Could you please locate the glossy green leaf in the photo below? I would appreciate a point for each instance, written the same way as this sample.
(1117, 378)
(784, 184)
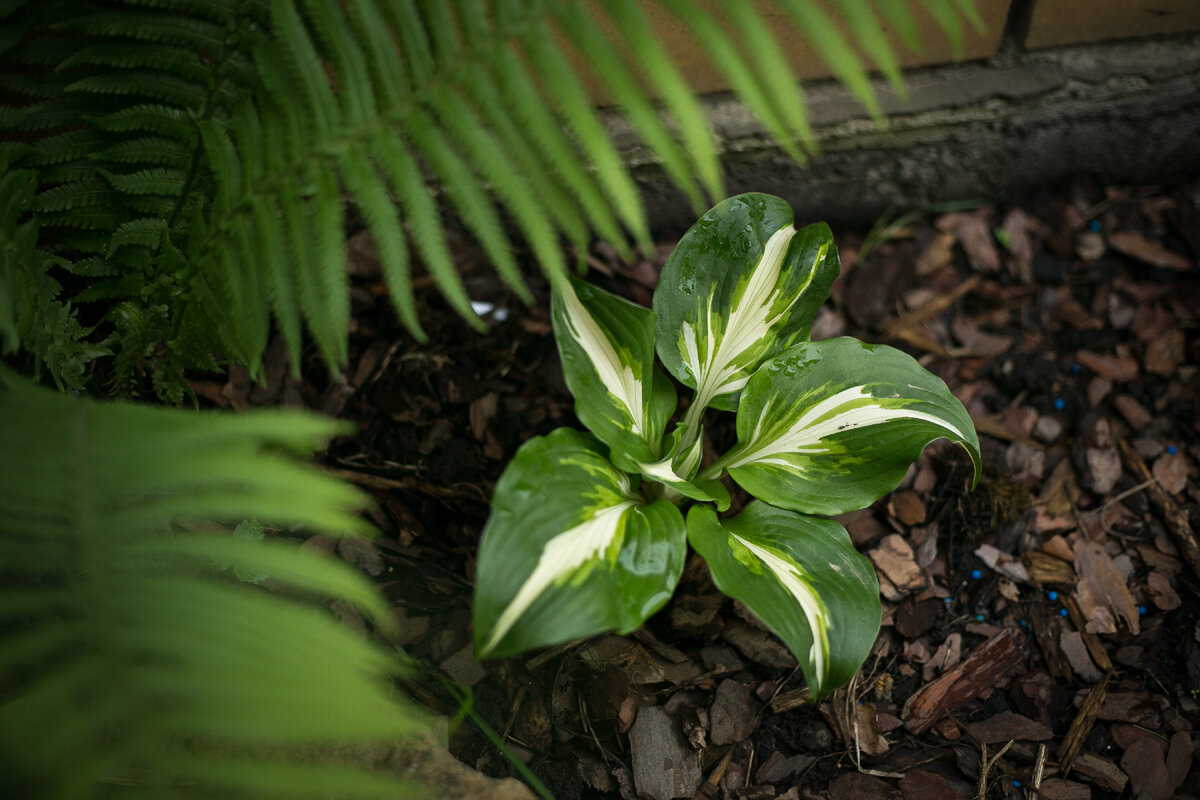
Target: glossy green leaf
(570, 549)
(742, 285)
(607, 349)
(801, 576)
(829, 427)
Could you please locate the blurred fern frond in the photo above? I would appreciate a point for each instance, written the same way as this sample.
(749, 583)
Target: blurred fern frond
(132, 660)
(206, 148)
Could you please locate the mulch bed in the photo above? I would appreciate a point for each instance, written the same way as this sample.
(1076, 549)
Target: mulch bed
(1040, 634)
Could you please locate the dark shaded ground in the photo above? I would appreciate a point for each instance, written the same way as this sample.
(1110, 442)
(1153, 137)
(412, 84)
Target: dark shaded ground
(1055, 607)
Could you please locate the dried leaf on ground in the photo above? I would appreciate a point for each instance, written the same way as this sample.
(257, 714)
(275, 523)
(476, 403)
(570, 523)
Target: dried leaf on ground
(1101, 591)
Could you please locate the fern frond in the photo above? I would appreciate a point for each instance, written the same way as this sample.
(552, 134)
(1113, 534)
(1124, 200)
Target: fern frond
(150, 118)
(163, 27)
(148, 181)
(133, 651)
(157, 150)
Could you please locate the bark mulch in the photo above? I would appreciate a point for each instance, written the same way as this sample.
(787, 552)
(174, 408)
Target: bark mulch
(1041, 635)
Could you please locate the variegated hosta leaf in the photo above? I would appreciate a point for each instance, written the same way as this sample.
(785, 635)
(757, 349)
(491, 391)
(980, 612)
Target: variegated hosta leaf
(570, 549)
(678, 471)
(802, 577)
(607, 349)
(742, 285)
(831, 426)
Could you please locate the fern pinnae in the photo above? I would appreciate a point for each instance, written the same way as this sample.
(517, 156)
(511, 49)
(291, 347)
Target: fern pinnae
(474, 206)
(607, 63)
(567, 94)
(872, 41)
(372, 198)
(329, 226)
(693, 125)
(174, 123)
(833, 49)
(536, 170)
(405, 21)
(383, 61)
(944, 14)
(519, 94)
(488, 159)
(302, 64)
(158, 150)
(782, 89)
(537, 165)
(78, 194)
(141, 55)
(967, 9)
(152, 26)
(742, 78)
(354, 79)
(900, 18)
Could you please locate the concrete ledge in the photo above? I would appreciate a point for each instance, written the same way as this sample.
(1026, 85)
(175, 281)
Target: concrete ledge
(1123, 112)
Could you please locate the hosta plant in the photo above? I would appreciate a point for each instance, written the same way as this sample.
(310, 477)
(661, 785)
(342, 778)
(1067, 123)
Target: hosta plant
(589, 530)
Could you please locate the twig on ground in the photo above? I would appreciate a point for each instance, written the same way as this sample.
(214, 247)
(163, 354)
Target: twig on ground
(985, 767)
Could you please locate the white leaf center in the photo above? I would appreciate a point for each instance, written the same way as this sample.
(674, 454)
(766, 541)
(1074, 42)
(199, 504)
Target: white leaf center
(562, 555)
(835, 414)
(814, 611)
(616, 375)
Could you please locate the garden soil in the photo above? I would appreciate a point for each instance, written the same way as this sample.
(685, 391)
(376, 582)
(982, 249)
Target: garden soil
(1041, 634)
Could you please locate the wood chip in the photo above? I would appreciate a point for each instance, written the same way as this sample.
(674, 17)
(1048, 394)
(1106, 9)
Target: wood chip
(1161, 593)
(1112, 368)
(1044, 568)
(1063, 789)
(981, 672)
(907, 507)
(664, 766)
(1152, 776)
(1171, 469)
(894, 557)
(1100, 771)
(1134, 412)
(1137, 246)
(1081, 726)
(1076, 652)
(1007, 725)
(1165, 353)
(1101, 593)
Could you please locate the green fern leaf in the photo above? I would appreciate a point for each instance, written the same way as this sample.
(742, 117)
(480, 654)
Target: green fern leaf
(156, 150)
(191, 683)
(151, 118)
(871, 39)
(157, 180)
(80, 194)
(196, 34)
(144, 84)
(145, 232)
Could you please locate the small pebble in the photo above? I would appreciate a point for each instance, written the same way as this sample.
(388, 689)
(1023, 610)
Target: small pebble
(1059, 403)
(1052, 595)
(976, 574)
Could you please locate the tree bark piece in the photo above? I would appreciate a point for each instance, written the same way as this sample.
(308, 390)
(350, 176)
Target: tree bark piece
(980, 673)
(1081, 726)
